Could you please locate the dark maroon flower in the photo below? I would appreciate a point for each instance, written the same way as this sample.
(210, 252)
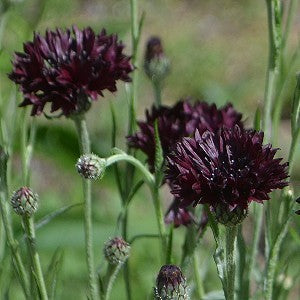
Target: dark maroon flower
(170, 283)
(227, 169)
(172, 125)
(181, 120)
(68, 68)
(178, 216)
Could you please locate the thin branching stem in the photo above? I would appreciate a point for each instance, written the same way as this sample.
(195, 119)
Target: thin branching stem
(84, 144)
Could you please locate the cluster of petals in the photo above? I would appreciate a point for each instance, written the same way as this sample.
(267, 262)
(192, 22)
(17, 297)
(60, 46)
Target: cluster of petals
(66, 68)
(230, 168)
(178, 121)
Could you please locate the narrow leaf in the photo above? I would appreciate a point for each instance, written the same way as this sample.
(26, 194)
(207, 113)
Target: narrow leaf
(295, 119)
(48, 218)
(53, 271)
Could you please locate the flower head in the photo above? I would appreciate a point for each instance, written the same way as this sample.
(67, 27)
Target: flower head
(24, 201)
(172, 125)
(226, 170)
(170, 284)
(90, 166)
(180, 120)
(116, 251)
(68, 68)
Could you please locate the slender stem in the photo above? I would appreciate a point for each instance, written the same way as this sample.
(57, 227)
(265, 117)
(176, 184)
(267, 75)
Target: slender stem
(157, 92)
(30, 232)
(294, 143)
(126, 264)
(170, 245)
(258, 217)
(6, 220)
(84, 144)
(230, 256)
(198, 281)
(273, 259)
(274, 25)
(134, 42)
(149, 178)
(111, 276)
(140, 236)
(160, 219)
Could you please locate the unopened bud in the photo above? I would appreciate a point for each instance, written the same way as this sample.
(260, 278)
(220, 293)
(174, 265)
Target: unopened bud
(24, 201)
(170, 284)
(116, 251)
(156, 64)
(90, 166)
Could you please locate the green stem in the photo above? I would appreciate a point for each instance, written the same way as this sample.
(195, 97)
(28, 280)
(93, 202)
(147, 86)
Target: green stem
(149, 178)
(274, 25)
(111, 276)
(198, 281)
(273, 260)
(84, 144)
(160, 219)
(30, 233)
(170, 246)
(230, 256)
(134, 42)
(258, 217)
(126, 264)
(294, 143)
(157, 92)
(6, 220)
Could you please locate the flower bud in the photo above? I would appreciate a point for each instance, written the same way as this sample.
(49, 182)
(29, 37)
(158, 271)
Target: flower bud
(90, 166)
(229, 217)
(116, 251)
(156, 64)
(24, 201)
(170, 284)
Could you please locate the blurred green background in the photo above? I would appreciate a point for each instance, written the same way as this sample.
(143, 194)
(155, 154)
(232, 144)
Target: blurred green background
(218, 52)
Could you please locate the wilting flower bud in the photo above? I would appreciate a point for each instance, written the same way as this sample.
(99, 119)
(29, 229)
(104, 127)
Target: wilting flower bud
(24, 201)
(116, 251)
(156, 64)
(91, 166)
(170, 284)
(229, 217)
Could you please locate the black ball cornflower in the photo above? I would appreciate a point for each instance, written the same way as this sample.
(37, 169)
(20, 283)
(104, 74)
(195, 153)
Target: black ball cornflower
(68, 69)
(226, 170)
(180, 120)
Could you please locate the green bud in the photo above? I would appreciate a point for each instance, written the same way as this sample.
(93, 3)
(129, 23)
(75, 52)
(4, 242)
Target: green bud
(24, 201)
(116, 251)
(90, 166)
